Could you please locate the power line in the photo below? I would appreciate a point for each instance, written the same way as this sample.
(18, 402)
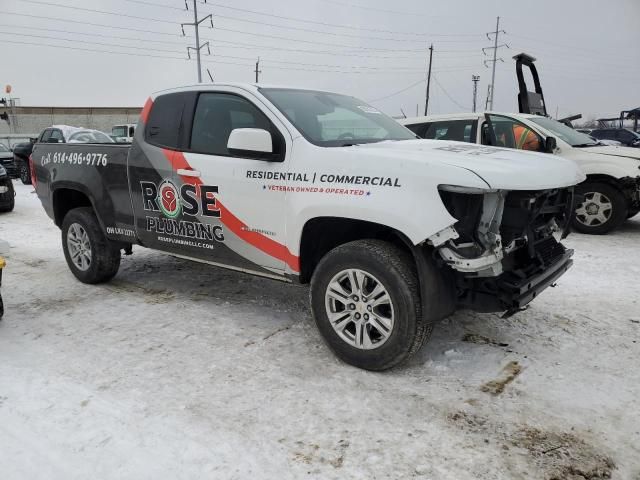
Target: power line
(237, 19)
(383, 10)
(243, 32)
(398, 92)
(435, 79)
(286, 62)
(315, 22)
(118, 14)
(90, 24)
(65, 47)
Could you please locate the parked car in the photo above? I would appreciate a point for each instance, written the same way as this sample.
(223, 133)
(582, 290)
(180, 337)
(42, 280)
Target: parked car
(7, 193)
(612, 188)
(622, 135)
(68, 134)
(6, 160)
(392, 232)
(54, 134)
(21, 154)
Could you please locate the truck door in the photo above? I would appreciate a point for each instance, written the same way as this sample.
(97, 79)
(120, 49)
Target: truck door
(503, 131)
(240, 219)
(151, 173)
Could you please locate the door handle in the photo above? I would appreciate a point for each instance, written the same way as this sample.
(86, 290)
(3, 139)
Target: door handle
(188, 172)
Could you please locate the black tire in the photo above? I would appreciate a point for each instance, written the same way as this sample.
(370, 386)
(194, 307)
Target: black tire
(25, 173)
(615, 216)
(632, 212)
(105, 257)
(395, 270)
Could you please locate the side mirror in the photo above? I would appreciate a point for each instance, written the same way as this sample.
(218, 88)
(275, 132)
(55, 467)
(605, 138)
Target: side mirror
(550, 145)
(251, 142)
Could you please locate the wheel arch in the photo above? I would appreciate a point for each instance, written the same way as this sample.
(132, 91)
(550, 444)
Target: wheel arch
(314, 245)
(322, 234)
(67, 197)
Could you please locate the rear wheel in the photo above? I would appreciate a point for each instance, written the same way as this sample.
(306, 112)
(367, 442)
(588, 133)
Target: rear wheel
(25, 174)
(365, 302)
(604, 208)
(91, 257)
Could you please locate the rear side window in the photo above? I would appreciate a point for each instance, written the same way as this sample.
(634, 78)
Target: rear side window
(163, 125)
(218, 114)
(605, 134)
(418, 128)
(458, 130)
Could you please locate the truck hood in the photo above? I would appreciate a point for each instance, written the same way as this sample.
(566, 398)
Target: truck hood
(500, 168)
(616, 151)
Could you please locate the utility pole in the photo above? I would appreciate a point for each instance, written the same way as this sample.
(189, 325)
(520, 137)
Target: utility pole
(475, 79)
(196, 24)
(495, 58)
(426, 102)
(257, 70)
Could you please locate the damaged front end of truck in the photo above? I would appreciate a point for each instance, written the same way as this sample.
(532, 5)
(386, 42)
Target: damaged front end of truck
(505, 247)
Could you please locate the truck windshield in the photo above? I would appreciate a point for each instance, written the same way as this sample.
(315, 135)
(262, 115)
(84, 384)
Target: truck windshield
(333, 120)
(568, 134)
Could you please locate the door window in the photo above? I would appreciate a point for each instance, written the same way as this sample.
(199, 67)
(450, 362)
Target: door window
(218, 114)
(45, 135)
(509, 133)
(458, 130)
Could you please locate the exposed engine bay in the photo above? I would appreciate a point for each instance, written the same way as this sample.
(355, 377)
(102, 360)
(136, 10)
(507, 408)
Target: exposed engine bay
(505, 246)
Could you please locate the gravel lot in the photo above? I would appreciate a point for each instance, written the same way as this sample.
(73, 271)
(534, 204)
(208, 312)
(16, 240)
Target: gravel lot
(180, 370)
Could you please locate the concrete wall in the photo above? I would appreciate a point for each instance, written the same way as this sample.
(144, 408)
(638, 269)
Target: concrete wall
(32, 120)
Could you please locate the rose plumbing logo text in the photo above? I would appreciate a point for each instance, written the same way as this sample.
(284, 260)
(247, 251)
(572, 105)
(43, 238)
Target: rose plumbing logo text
(169, 199)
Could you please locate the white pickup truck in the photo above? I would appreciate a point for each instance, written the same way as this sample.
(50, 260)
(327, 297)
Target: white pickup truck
(392, 232)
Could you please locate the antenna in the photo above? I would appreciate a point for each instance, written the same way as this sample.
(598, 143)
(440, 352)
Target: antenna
(196, 23)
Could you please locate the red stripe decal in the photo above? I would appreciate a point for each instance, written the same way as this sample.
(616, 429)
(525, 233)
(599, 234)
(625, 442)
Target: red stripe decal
(233, 223)
(144, 114)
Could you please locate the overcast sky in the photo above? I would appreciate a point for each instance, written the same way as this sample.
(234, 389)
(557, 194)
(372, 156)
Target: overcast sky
(588, 51)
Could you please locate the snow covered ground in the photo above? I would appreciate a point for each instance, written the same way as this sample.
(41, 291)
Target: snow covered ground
(179, 370)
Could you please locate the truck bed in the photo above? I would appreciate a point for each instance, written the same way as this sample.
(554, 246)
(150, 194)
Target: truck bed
(97, 169)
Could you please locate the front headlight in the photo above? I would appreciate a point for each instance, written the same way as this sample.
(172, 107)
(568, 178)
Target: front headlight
(3, 171)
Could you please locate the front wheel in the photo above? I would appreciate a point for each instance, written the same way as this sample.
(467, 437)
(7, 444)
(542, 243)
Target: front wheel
(25, 174)
(91, 257)
(366, 305)
(604, 208)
